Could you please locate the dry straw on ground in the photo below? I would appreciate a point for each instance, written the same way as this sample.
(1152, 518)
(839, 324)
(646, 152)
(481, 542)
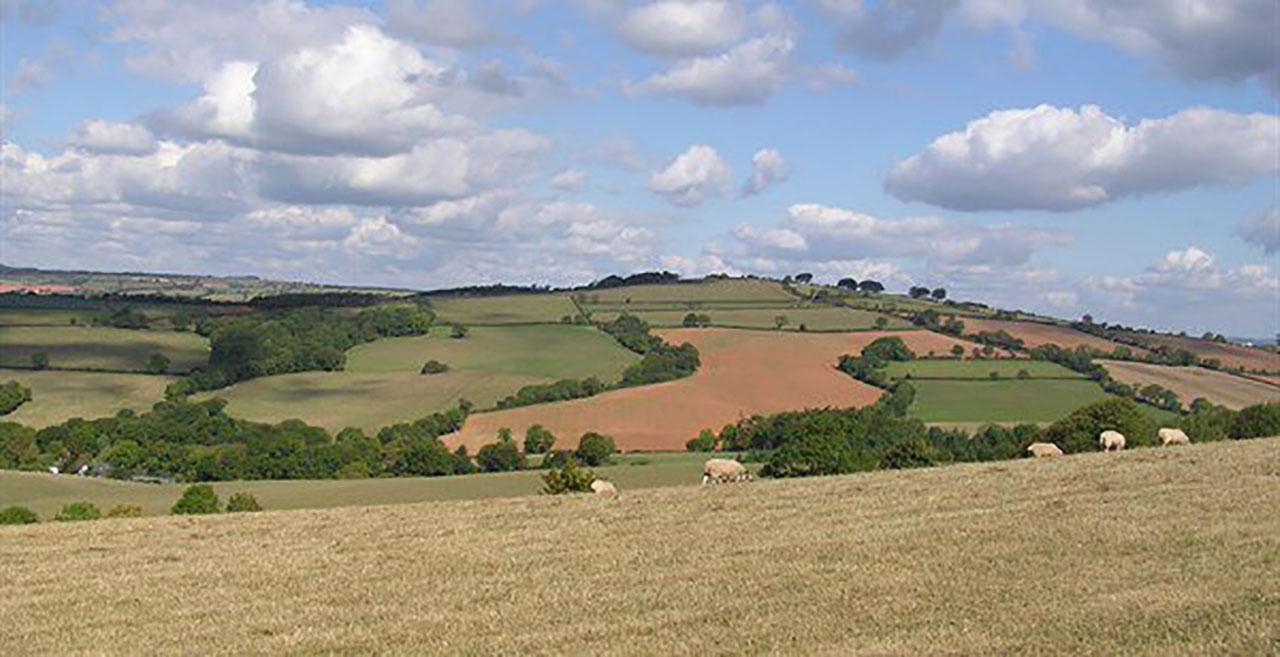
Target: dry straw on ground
(1152, 551)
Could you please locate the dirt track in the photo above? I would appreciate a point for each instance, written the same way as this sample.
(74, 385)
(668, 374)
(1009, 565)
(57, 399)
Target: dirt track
(1191, 382)
(742, 373)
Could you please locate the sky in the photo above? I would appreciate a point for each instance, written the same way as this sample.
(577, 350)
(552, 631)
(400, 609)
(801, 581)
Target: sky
(1113, 157)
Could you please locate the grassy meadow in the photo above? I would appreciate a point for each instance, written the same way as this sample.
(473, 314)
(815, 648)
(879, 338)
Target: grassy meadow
(382, 384)
(57, 396)
(1155, 551)
(513, 309)
(43, 317)
(1005, 400)
(46, 494)
(100, 348)
(979, 369)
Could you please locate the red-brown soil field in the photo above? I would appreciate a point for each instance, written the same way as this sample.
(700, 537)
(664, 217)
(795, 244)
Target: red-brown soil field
(1188, 383)
(743, 373)
(1231, 355)
(1034, 334)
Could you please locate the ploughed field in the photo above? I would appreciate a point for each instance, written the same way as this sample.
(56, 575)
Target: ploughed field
(1191, 383)
(382, 383)
(57, 396)
(812, 318)
(101, 348)
(1155, 551)
(1035, 334)
(743, 373)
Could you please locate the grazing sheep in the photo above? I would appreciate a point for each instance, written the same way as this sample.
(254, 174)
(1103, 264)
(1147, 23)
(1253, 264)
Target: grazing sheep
(717, 471)
(1111, 441)
(1043, 450)
(602, 487)
(1173, 437)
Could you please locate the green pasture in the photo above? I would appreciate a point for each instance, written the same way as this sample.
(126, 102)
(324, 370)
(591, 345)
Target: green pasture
(57, 396)
(101, 348)
(814, 318)
(43, 317)
(513, 309)
(46, 494)
(382, 384)
(1005, 400)
(979, 369)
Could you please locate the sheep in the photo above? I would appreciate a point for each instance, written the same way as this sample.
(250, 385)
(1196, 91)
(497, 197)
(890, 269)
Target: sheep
(602, 487)
(1043, 450)
(1173, 437)
(716, 471)
(1111, 441)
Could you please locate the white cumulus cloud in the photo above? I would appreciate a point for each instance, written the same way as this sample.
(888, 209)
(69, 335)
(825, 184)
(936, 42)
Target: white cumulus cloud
(694, 176)
(767, 169)
(747, 74)
(683, 27)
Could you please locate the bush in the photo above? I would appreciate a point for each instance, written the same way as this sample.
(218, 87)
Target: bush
(40, 360)
(434, 367)
(1023, 374)
(126, 511)
(157, 364)
(502, 456)
(888, 349)
(705, 442)
(18, 515)
(910, 453)
(458, 331)
(594, 449)
(1257, 421)
(558, 458)
(197, 500)
(1078, 432)
(993, 375)
(242, 503)
(537, 440)
(13, 395)
(568, 478)
(77, 511)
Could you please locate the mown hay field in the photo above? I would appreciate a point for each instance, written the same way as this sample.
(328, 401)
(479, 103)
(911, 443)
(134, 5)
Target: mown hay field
(743, 373)
(46, 494)
(511, 309)
(979, 369)
(1005, 400)
(1155, 551)
(57, 396)
(720, 290)
(813, 318)
(1190, 383)
(101, 348)
(382, 384)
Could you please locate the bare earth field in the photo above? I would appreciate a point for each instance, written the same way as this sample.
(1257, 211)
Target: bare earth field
(715, 290)
(743, 373)
(1034, 334)
(58, 396)
(1191, 382)
(1147, 552)
(1231, 355)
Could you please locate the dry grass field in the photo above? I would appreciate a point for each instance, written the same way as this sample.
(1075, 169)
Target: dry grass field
(742, 373)
(101, 348)
(1189, 383)
(512, 309)
(1155, 552)
(57, 396)
(740, 290)
(1034, 334)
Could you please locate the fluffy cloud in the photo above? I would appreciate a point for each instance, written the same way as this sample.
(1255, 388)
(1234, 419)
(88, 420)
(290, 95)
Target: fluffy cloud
(683, 27)
(1061, 159)
(767, 169)
(1263, 230)
(570, 180)
(747, 74)
(453, 23)
(113, 138)
(694, 176)
(887, 29)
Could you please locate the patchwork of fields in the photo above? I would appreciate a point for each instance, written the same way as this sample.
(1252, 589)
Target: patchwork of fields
(1231, 355)
(101, 348)
(58, 396)
(1190, 383)
(811, 318)
(743, 373)
(382, 384)
(1034, 334)
(1017, 557)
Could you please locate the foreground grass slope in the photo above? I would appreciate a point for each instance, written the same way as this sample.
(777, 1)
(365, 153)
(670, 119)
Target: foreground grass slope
(1153, 551)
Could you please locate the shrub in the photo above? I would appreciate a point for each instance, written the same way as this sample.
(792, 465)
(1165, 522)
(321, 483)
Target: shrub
(40, 360)
(1078, 432)
(434, 367)
(537, 440)
(126, 511)
(910, 453)
(888, 349)
(242, 503)
(705, 442)
(1023, 374)
(993, 375)
(458, 331)
(157, 364)
(568, 478)
(558, 458)
(13, 395)
(196, 500)
(77, 511)
(957, 351)
(595, 449)
(1257, 421)
(502, 456)
(18, 515)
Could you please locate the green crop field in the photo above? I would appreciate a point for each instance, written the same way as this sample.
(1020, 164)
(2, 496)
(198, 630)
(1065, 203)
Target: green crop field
(737, 290)
(514, 309)
(46, 494)
(1007, 400)
(43, 317)
(101, 348)
(57, 395)
(814, 318)
(979, 369)
(382, 385)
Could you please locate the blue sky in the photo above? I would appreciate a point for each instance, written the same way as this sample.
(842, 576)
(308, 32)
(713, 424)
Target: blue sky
(1065, 156)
